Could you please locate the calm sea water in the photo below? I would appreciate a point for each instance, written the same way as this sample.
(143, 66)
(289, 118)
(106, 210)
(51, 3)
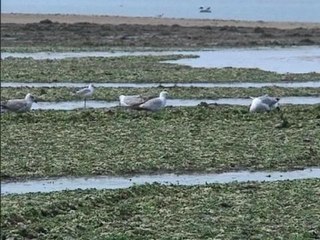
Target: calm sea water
(280, 60)
(265, 10)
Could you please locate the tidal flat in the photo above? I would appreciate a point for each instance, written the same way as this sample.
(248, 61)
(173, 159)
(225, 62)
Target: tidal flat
(43, 144)
(133, 69)
(197, 139)
(278, 210)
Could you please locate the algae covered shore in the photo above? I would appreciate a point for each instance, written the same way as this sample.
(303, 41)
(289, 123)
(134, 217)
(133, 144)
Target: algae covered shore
(280, 210)
(116, 142)
(219, 138)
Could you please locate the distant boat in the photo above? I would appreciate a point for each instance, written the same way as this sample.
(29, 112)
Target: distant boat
(205, 10)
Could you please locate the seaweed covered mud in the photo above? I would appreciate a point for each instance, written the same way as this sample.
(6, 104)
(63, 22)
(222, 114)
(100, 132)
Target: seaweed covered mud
(68, 31)
(281, 210)
(197, 139)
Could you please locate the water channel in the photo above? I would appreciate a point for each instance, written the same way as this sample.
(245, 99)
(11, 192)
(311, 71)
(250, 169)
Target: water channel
(72, 105)
(109, 182)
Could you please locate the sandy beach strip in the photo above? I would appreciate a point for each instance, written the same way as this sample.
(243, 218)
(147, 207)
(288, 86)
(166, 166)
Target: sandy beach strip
(116, 20)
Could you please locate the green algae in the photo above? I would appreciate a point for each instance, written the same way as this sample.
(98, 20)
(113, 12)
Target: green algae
(138, 69)
(279, 210)
(115, 142)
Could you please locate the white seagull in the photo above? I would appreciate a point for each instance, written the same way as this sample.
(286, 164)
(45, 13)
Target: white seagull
(18, 105)
(263, 103)
(155, 104)
(86, 92)
(131, 101)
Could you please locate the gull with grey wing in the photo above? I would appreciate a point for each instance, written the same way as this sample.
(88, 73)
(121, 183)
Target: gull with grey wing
(155, 104)
(131, 101)
(85, 93)
(264, 103)
(18, 105)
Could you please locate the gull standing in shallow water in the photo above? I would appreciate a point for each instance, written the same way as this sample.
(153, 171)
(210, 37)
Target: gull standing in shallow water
(18, 105)
(264, 104)
(86, 92)
(155, 104)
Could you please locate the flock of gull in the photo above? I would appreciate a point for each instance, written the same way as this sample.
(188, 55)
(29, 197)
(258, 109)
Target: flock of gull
(263, 103)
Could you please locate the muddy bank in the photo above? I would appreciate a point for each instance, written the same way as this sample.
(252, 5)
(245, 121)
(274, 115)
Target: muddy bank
(140, 32)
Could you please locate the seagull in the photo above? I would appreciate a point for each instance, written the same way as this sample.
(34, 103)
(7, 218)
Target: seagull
(18, 105)
(155, 104)
(263, 103)
(132, 100)
(86, 92)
